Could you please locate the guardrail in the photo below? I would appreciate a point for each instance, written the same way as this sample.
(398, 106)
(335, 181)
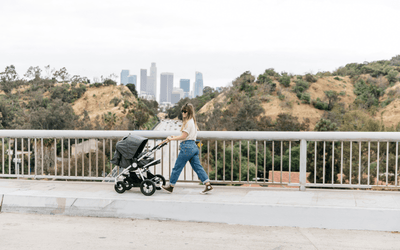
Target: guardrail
(292, 159)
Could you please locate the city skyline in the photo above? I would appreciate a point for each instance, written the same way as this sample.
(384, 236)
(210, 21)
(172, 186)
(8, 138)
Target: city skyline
(146, 83)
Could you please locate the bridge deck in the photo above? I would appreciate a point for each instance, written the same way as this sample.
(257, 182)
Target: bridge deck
(313, 208)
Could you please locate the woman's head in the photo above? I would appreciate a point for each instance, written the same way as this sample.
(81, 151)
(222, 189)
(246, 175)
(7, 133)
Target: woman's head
(187, 114)
(187, 111)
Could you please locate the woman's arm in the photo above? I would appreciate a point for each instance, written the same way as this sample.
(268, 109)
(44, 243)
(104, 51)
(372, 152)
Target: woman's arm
(179, 138)
(176, 138)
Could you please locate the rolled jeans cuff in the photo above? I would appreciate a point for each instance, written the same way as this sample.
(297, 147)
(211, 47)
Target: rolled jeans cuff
(204, 182)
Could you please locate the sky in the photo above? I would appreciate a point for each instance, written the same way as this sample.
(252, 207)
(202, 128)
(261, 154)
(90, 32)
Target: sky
(222, 39)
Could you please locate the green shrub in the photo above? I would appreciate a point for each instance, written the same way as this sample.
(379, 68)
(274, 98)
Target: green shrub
(338, 78)
(271, 72)
(318, 104)
(310, 78)
(115, 101)
(284, 80)
(386, 102)
(367, 95)
(281, 97)
(300, 87)
(305, 98)
(392, 76)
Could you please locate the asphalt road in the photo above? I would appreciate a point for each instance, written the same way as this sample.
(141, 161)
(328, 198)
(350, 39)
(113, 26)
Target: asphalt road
(47, 232)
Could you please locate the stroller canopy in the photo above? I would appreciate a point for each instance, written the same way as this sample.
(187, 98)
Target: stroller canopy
(131, 146)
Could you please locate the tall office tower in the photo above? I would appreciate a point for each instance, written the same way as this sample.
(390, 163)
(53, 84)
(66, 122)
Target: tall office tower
(124, 76)
(198, 84)
(152, 85)
(176, 95)
(166, 84)
(184, 84)
(143, 80)
(133, 79)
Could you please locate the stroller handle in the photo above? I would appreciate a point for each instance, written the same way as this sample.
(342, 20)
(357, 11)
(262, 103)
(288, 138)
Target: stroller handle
(159, 146)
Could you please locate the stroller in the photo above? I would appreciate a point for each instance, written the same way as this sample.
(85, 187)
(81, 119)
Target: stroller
(136, 164)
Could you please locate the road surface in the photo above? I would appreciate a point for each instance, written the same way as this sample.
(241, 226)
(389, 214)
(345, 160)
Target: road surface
(49, 232)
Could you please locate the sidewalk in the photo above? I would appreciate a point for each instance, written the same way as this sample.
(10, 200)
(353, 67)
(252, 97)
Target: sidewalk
(332, 209)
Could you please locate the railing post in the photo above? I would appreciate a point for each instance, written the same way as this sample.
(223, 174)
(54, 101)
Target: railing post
(303, 164)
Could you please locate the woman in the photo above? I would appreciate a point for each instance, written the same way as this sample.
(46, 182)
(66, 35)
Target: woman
(188, 151)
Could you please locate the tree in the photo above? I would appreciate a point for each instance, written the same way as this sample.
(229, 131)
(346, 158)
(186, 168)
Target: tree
(62, 74)
(333, 97)
(132, 88)
(323, 174)
(33, 72)
(245, 119)
(57, 115)
(9, 74)
(288, 122)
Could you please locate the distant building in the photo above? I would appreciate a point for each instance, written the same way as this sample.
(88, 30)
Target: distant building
(143, 81)
(184, 84)
(176, 95)
(133, 80)
(147, 97)
(164, 106)
(166, 84)
(152, 82)
(198, 84)
(124, 76)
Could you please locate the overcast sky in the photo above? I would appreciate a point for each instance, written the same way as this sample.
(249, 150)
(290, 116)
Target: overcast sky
(219, 38)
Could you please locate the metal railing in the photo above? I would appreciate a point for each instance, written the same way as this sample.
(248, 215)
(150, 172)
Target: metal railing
(291, 159)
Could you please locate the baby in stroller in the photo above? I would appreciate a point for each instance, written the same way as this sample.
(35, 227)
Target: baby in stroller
(129, 155)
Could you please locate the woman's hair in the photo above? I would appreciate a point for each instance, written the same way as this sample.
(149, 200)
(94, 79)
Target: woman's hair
(188, 107)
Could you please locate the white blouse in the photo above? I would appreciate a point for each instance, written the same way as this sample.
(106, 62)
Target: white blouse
(191, 129)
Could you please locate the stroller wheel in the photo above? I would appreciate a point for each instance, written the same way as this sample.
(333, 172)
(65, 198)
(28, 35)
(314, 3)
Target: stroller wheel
(147, 187)
(159, 180)
(119, 187)
(127, 184)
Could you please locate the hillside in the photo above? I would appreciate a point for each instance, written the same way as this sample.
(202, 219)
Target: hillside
(390, 114)
(274, 106)
(44, 103)
(256, 103)
(97, 101)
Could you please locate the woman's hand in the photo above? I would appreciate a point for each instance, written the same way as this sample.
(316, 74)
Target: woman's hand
(169, 138)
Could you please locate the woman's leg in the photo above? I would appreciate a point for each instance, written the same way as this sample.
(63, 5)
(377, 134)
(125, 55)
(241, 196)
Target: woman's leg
(183, 157)
(196, 165)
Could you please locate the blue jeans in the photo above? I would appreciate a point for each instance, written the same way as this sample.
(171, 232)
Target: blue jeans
(188, 152)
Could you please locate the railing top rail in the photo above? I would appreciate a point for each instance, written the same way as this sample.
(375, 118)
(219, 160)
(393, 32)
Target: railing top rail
(208, 135)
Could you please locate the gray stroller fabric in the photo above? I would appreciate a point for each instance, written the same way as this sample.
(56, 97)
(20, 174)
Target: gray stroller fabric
(127, 149)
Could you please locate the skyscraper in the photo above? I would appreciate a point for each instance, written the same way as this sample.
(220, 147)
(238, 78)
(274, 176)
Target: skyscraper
(198, 84)
(133, 79)
(166, 84)
(176, 95)
(124, 76)
(184, 84)
(152, 84)
(143, 80)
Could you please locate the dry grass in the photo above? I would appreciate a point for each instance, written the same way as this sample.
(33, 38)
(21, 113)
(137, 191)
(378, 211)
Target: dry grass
(96, 101)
